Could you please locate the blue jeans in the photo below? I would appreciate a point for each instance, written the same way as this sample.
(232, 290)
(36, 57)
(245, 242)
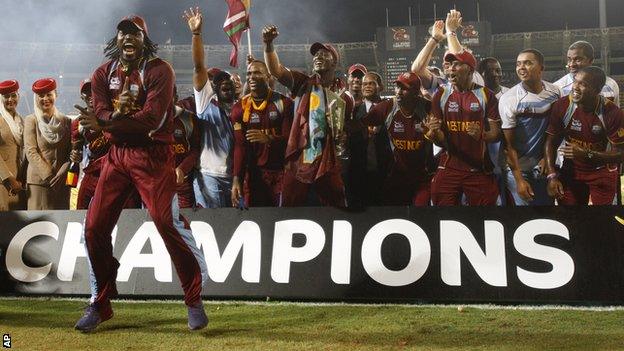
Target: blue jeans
(538, 183)
(212, 192)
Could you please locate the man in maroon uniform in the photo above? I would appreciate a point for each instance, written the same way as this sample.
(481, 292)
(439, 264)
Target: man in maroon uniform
(133, 103)
(96, 145)
(261, 122)
(465, 118)
(315, 141)
(186, 150)
(408, 181)
(591, 125)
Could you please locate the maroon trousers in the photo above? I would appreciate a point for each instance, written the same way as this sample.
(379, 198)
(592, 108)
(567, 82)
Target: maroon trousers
(329, 188)
(86, 191)
(263, 187)
(600, 184)
(151, 170)
(448, 185)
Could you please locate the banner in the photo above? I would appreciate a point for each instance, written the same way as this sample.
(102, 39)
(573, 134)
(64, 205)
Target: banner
(466, 254)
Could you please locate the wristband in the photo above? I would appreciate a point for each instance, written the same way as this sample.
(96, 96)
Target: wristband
(196, 33)
(552, 176)
(436, 40)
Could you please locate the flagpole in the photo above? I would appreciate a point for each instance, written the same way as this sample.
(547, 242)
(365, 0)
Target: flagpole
(249, 40)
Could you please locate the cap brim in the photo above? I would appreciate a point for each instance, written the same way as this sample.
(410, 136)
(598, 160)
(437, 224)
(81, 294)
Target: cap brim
(128, 23)
(316, 47)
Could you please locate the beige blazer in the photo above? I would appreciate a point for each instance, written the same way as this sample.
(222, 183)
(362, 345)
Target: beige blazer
(10, 166)
(44, 160)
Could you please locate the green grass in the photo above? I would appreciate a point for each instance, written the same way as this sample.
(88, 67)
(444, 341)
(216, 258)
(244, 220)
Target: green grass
(38, 324)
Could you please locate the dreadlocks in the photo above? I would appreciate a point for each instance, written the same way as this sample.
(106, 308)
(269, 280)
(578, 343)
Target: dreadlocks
(112, 51)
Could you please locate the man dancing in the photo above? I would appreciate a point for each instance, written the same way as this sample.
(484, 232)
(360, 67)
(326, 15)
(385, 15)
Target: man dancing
(133, 104)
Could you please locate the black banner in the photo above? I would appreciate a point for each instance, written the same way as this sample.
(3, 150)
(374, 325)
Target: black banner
(468, 254)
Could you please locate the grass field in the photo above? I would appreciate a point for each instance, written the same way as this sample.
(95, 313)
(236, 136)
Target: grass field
(39, 324)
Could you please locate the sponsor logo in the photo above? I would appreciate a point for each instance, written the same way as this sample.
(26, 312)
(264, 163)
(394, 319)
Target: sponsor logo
(400, 38)
(596, 129)
(255, 118)
(115, 83)
(237, 126)
(453, 106)
(576, 125)
(399, 127)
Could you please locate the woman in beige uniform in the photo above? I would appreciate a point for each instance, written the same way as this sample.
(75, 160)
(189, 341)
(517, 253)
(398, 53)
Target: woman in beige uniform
(11, 148)
(47, 145)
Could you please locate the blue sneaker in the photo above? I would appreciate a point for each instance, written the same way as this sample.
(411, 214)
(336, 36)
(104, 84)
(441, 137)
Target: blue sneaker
(93, 317)
(197, 318)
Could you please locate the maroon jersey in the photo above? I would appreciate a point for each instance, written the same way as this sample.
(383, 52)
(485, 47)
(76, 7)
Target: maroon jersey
(186, 140)
(150, 120)
(275, 120)
(407, 136)
(298, 138)
(460, 110)
(586, 130)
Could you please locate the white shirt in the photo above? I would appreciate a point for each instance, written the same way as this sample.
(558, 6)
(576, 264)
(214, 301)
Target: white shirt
(527, 113)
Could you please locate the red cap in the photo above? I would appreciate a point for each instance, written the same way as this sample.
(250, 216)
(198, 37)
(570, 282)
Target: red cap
(133, 20)
(357, 67)
(409, 79)
(8, 87)
(329, 47)
(85, 86)
(463, 57)
(44, 85)
(212, 72)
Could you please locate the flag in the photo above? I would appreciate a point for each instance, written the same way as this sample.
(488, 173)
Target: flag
(236, 22)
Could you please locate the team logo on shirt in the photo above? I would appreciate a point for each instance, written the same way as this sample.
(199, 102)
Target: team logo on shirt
(596, 129)
(453, 106)
(474, 106)
(418, 127)
(178, 133)
(115, 83)
(255, 118)
(273, 115)
(399, 127)
(576, 125)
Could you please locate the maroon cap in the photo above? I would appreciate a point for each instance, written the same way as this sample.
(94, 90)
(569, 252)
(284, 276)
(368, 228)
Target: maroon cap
(357, 67)
(133, 20)
(463, 57)
(44, 85)
(409, 79)
(85, 86)
(212, 72)
(8, 86)
(329, 47)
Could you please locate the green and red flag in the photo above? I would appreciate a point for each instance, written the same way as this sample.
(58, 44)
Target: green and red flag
(236, 22)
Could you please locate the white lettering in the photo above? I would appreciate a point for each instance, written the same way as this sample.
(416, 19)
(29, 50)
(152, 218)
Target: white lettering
(490, 265)
(420, 252)
(246, 239)
(341, 252)
(73, 248)
(283, 251)
(14, 262)
(132, 257)
(563, 265)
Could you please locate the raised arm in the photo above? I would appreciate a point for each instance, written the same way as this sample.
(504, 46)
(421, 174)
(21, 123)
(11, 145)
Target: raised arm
(283, 75)
(419, 66)
(453, 22)
(194, 20)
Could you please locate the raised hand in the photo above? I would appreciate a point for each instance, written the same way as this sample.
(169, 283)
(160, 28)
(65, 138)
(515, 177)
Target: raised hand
(193, 18)
(432, 123)
(269, 33)
(437, 31)
(453, 21)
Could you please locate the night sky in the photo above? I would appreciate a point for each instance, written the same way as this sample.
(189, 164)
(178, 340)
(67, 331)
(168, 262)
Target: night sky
(300, 21)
